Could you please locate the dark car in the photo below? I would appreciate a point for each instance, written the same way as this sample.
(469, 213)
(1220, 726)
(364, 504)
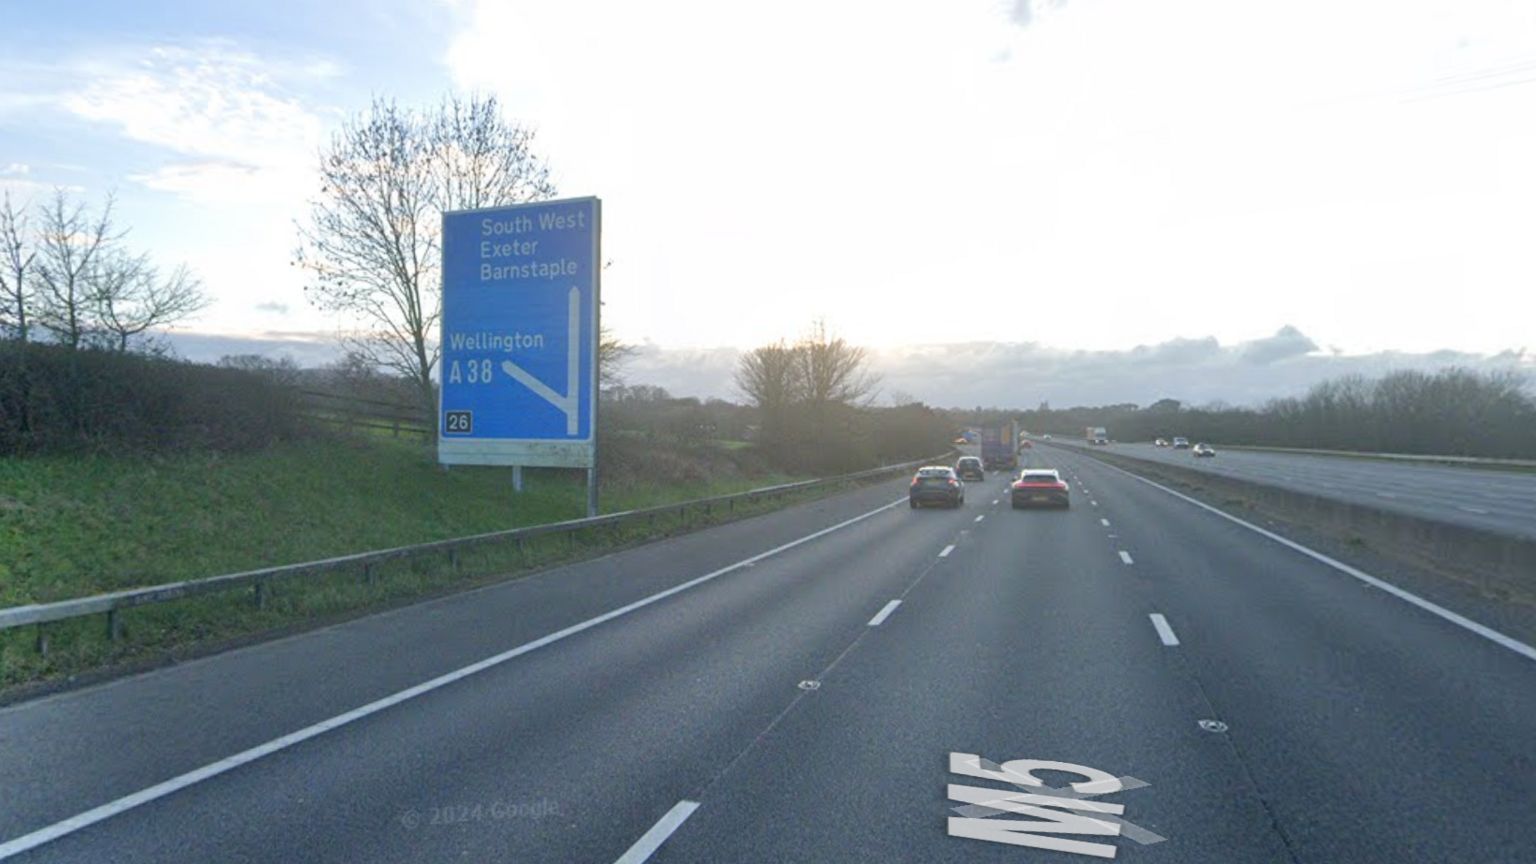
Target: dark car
(969, 468)
(1041, 487)
(936, 484)
(1204, 450)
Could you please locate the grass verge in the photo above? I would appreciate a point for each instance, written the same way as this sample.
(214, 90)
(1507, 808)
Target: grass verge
(76, 527)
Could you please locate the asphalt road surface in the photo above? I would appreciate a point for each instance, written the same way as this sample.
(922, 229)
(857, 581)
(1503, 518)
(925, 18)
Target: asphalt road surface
(1213, 695)
(1494, 500)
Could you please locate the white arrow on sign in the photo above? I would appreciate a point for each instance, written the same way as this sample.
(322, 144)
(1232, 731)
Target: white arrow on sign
(569, 404)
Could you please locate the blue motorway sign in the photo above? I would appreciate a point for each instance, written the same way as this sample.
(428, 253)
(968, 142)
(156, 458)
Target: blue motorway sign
(519, 335)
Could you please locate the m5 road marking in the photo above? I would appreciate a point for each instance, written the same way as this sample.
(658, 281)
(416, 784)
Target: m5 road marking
(1050, 807)
(49, 833)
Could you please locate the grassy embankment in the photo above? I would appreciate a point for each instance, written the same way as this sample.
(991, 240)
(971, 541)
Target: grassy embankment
(76, 526)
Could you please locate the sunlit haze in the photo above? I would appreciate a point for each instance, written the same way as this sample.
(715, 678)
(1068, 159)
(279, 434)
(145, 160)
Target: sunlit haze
(1086, 175)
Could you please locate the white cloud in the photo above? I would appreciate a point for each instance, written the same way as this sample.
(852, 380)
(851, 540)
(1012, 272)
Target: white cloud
(209, 180)
(1200, 167)
(15, 169)
(225, 110)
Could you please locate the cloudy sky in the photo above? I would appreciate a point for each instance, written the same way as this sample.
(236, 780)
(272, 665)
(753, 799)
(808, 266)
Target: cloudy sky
(1064, 194)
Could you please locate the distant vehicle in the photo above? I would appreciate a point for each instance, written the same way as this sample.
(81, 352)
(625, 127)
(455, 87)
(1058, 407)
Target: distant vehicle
(1181, 443)
(998, 450)
(1026, 444)
(959, 442)
(1161, 442)
(936, 484)
(969, 468)
(1203, 449)
(1047, 436)
(1040, 487)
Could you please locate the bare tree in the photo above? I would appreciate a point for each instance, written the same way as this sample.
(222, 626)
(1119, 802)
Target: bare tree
(768, 377)
(70, 239)
(831, 371)
(372, 243)
(612, 354)
(16, 256)
(131, 296)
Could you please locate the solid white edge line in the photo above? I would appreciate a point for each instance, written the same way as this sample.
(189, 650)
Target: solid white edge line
(884, 613)
(651, 840)
(947, 549)
(37, 838)
(1164, 632)
(1488, 633)
(1126, 557)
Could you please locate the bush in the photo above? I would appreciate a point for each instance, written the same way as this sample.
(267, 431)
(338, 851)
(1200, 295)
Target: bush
(54, 399)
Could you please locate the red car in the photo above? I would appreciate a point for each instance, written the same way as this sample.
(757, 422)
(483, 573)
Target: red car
(1041, 487)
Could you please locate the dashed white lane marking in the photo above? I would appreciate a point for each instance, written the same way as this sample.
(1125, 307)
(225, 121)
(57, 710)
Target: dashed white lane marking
(1104, 522)
(979, 518)
(1435, 609)
(49, 833)
(1164, 632)
(884, 613)
(1126, 557)
(651, 840)
(1094, 503)
(947, 549)
(1478, 510)
(994, 502)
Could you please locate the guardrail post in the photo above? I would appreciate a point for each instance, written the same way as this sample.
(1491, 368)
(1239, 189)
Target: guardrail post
(368, 574)
(522, 551)
(114, 626)
(571, 535)
(42, 639)
(453, 561)
(260, 594)
(730, 506)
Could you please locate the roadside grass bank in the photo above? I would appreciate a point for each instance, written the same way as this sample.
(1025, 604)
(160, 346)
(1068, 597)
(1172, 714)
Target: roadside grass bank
(72, 527)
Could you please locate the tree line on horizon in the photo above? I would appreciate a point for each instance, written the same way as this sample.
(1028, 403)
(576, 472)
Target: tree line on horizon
(1449, 412)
